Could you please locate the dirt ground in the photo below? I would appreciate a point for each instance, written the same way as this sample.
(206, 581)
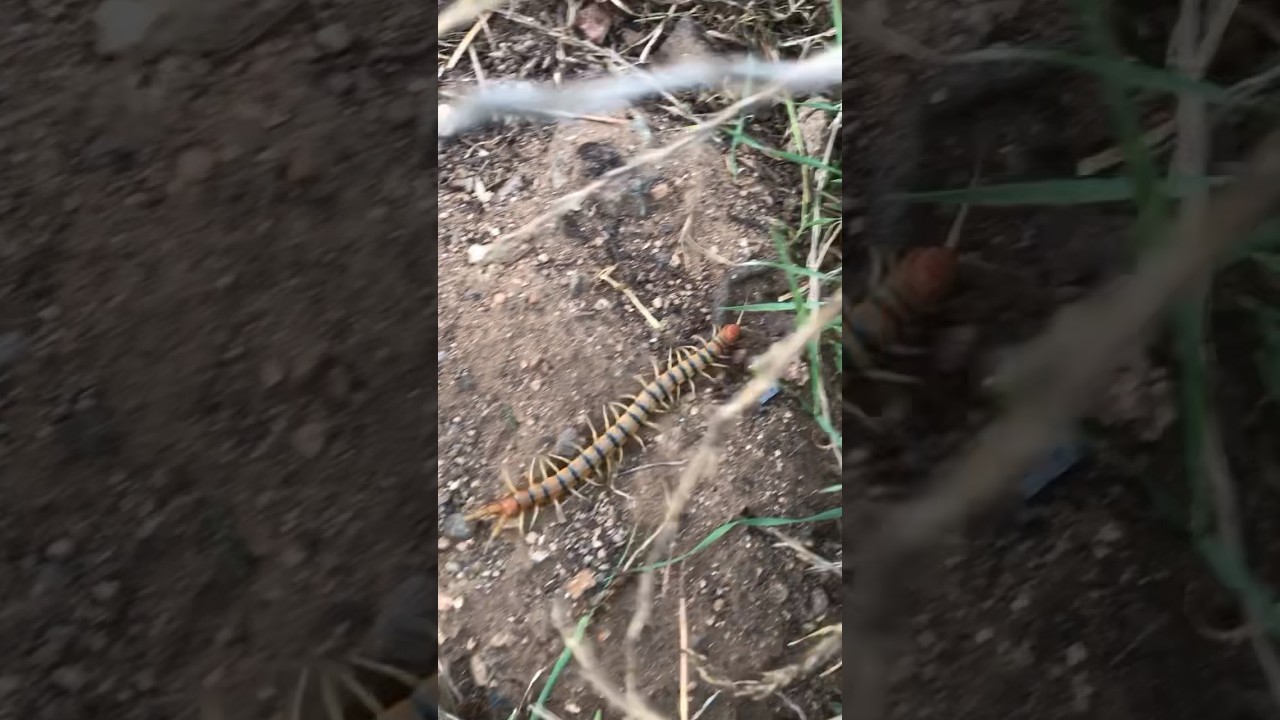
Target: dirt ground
(217, 285)
(538, 346)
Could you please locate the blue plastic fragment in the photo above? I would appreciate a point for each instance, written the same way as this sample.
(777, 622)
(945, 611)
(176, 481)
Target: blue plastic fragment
(768, 394)
(1059, 460)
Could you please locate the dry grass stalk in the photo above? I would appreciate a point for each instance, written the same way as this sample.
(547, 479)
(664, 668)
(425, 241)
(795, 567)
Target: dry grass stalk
(1059, 374)
(1191, 158)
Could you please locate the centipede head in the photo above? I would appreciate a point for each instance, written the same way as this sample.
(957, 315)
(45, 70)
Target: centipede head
(928, 273)
(731, 332)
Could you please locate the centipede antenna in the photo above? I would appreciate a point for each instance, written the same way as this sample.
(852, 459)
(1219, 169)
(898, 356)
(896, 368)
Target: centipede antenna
(953, 234)
(740, 314)
(506, 478)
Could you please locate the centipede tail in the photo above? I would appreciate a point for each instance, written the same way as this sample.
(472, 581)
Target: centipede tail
(622, 422)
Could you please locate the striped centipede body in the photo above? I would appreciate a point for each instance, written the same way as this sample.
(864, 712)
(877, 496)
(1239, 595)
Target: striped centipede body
(920, 280)
(622, 423)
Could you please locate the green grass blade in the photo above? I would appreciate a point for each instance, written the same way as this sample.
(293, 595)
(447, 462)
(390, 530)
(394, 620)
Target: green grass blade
(1082, 191)
(714, 535)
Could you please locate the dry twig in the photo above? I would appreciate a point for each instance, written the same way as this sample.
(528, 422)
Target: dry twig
(1191, 158)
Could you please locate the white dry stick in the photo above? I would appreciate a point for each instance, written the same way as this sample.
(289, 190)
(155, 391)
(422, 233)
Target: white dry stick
(619, 91)
(1191, 158)
(460, 12)
(505, 248)
(593, 672)
(703, 463)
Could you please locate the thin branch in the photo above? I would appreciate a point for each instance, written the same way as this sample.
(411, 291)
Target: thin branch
(623, 90)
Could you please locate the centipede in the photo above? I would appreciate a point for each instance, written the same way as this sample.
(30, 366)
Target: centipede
(622, 422)
(920, 280)
(915, 284)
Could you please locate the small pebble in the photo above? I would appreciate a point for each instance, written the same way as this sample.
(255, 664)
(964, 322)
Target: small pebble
(334, 38)
(193, 166)
(106, 591)
(309, 439)
(456, 527)
(60, 549)
(70, 678)
(1076, 654)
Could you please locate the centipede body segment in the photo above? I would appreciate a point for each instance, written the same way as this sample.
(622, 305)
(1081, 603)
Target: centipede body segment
(622, 423)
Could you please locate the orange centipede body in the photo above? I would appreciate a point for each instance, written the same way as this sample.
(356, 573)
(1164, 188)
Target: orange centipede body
(922, 278)
(623, 422)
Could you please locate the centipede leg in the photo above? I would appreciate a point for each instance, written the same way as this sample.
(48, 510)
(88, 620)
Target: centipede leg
(559, 509)
(533, 518)
(506, 478)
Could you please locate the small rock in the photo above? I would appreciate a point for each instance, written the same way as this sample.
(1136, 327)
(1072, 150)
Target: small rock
(193, 166)
(576, 283)
(456, 527)
(579, 584)
(309, 439)
(1021, 602)
(60, 549)
(70, 678)
(105, 591)
(657, 303)
(123, 24)
(303, 165)
(718, 605)
(660, 191)
(502, 639)
(512, 185)
(819, 603)
(293, 556)
(1109, 533)
(567, 442)
(476, 254)
(12, 347)
(984, 635)
(334, 39)
(1076, 654)
(271, 374)
(9, 684)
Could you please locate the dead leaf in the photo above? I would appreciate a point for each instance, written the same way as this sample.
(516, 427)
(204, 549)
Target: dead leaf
(581, 583)
(594, 21)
